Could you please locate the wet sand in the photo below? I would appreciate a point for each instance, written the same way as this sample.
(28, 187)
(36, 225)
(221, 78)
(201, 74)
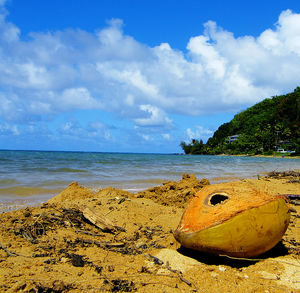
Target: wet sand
(54, 248)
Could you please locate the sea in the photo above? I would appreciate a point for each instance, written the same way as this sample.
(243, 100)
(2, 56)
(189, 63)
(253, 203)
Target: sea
(33, 177)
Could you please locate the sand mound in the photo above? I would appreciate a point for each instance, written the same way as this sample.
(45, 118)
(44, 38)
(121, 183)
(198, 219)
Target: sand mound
(55, 248)
(72, 194)
(175, 193)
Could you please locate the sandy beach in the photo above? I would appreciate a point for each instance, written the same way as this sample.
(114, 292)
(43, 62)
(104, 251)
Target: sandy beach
(55, 248)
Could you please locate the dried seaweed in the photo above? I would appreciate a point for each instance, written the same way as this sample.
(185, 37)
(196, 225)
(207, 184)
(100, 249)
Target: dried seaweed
(283, 174)
(159, 262)
(120, 285)
(39, 224)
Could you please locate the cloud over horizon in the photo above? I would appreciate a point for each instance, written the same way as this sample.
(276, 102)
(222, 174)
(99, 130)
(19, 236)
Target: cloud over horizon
(48, 74)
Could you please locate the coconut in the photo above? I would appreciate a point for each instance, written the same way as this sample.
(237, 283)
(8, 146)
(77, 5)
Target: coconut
(234, 219)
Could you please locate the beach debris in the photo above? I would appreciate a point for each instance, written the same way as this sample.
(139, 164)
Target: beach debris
(292, 210)
(36, 286)
(76, 260)
(37, 225)
(121, 285)
(222, 269)
(8, 252)
(233, 219)
(107, 261)
(167, 266)
(174, 193)
(99, 220)
(283, 174)
(156, 260)
(292, 176)
(121, 200)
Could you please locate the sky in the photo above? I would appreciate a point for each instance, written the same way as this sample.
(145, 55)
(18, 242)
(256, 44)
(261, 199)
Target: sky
(138, 76)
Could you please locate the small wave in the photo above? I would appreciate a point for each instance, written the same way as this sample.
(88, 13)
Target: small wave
(4, 160)
(141, 181)
(68, 170)
(54, 183)
(108, 162)
(134, 190)
(221, 179)
(20, 191)
(8, 181)
(50, 169)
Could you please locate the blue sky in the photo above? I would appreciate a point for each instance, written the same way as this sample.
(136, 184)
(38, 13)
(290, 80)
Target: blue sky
(138, 76)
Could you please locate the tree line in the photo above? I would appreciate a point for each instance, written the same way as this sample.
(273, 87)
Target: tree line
(264, 128)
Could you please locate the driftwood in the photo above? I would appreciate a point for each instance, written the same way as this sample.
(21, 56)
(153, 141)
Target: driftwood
(11, 253)
(99, 220)
(158, 261)
(102, 243)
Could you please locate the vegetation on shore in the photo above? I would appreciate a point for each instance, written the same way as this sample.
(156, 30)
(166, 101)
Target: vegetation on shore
(272, 125)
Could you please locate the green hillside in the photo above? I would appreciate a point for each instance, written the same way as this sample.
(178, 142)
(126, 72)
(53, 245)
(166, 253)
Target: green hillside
(268, 126)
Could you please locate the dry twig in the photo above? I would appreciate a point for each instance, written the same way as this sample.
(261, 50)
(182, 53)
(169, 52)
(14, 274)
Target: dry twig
(11, 253)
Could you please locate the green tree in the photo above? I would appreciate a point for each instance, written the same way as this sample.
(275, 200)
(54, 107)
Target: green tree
(260, 128)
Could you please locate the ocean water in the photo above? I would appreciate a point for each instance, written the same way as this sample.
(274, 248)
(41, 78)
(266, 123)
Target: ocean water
(31, 177)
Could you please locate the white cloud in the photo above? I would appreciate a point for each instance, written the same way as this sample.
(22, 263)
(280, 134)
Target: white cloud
(50, 74)
(97, 125)
(72, 129)
(113, 34)
(98, 129)
(12, 109)
(288, 28)
(129, 100)
(205, 53)
(157, 117)
(77, 98)
(146, 137)
(95, 131)
(199, 133)
(7, 129)
(68, 127)
(35, 76)
(40, 107)
(8, 31)
(166, 136)
(130, 76)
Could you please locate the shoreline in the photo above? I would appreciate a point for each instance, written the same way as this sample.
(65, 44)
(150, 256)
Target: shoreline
(44, 247)
(31, 200)
(261, 156)
(28, 176)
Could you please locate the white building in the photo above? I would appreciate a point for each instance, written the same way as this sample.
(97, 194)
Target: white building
(232, 138)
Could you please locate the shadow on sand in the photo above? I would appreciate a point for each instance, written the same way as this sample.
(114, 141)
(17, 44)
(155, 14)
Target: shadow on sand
(210, 259)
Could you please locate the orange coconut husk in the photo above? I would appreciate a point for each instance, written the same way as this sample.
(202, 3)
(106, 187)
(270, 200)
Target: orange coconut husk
(233, 219)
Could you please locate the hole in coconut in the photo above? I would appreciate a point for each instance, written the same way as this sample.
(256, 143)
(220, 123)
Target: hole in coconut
(217, 198)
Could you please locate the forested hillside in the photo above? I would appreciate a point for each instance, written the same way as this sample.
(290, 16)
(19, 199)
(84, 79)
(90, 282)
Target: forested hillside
(268, 126)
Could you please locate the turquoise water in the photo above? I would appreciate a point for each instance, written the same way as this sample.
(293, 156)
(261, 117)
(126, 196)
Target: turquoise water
(28, 177)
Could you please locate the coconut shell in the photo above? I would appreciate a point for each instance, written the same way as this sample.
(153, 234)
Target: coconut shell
(233, 219)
